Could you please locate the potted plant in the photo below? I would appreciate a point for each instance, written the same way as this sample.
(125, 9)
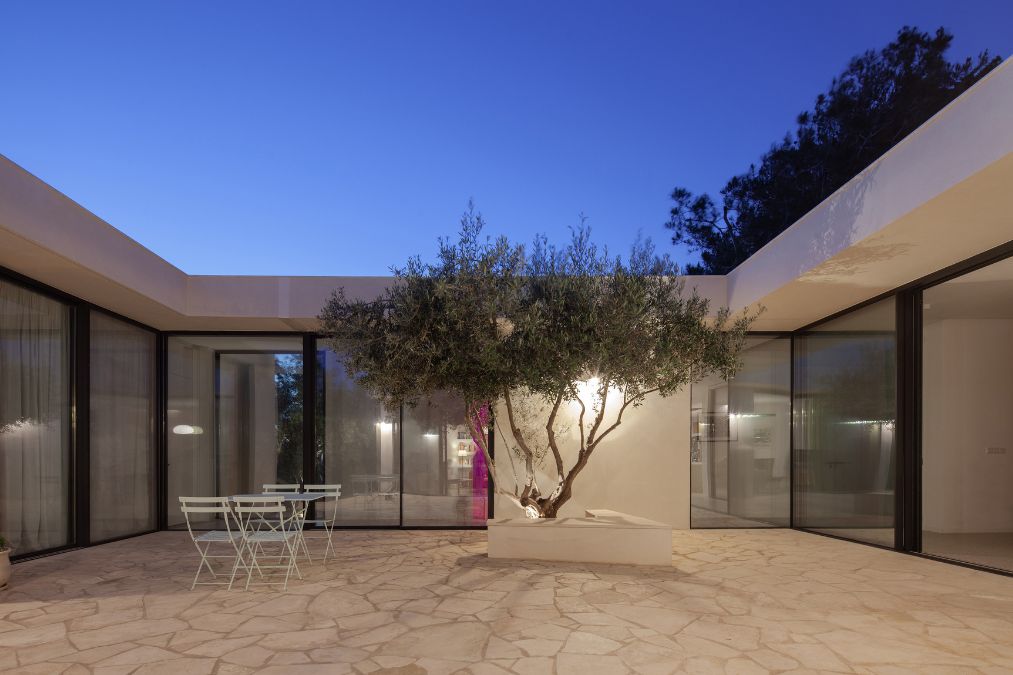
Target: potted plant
(5, 562)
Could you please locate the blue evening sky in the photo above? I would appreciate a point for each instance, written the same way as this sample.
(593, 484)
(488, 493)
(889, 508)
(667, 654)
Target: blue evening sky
(342, 137)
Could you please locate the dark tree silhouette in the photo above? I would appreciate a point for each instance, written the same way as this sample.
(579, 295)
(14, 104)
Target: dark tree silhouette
(880, 98)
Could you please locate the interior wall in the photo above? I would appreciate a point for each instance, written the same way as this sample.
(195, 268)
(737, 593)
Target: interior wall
(967, 408)
(642, 468)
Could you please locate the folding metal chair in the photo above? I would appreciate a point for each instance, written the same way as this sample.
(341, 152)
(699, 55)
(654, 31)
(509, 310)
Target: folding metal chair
(326, 523)
(289, 487)
(264, 521)
(281, 487)
(204, 540)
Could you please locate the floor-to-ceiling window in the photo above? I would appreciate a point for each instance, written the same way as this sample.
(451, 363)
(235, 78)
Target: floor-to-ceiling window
(967, 417)
(740, 441)
(35, 457)
(358, 447)
(122, 428)
(234, 415)
(445, 475)
(844, 416)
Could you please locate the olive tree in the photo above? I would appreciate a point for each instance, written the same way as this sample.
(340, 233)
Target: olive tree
(498, 325)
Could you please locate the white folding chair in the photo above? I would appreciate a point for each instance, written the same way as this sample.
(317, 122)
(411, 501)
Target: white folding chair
(333, 490)
(219, 506)
(270, 488)
(265, 521)
(280, 487)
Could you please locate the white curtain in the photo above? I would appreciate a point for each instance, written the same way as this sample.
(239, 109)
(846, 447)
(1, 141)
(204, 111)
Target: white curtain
(34, 419)
(192, 470)
(122, 428)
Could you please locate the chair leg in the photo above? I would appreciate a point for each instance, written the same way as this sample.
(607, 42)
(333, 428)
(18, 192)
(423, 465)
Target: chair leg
(202, 564)
(292, 553)
(235, 568)
(253, 564)
(240, 562)
(305, 548)
(330, 543)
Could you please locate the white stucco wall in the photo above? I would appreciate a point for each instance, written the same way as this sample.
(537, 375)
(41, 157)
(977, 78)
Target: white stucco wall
(642, 468)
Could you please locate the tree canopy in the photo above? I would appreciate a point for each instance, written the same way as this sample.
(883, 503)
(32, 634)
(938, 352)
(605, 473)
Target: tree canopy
(491, 321)
(881, 97)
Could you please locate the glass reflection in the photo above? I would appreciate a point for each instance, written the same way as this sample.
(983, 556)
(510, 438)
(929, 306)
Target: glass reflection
(358, 447)
(740, 432)
(122, 428)
(34, 420)
(234, 415)
(967, 428)
(446, 478)
(845, 409)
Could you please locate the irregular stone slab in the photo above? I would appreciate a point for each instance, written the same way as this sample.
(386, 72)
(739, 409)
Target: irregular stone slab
(126, 632)
(456, 641)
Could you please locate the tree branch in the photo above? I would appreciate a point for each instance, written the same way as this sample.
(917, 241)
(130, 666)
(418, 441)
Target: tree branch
(550, 433)
(580, 423)
(530, 487)
(603, 391)
(478, 435)
(619, 416)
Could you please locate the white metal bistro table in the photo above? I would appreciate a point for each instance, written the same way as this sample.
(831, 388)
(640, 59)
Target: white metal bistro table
(286, 497)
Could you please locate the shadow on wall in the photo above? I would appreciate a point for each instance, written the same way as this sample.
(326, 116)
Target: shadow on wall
(837, 253)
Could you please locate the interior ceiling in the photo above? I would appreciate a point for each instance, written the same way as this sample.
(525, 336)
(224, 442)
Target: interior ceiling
(244, 343)
(985, 299)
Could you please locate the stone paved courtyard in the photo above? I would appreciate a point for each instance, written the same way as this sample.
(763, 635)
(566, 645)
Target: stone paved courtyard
(743, 601)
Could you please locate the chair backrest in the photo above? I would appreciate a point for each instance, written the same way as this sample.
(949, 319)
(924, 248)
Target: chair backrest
(332, 489)
(208, 505)
(389, 484)
(281, 487)
(256, 513)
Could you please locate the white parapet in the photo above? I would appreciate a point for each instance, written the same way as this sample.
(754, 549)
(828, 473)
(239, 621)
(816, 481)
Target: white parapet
(600, 537)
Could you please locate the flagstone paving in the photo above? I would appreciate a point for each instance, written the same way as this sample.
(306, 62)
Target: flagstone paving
(739, 601)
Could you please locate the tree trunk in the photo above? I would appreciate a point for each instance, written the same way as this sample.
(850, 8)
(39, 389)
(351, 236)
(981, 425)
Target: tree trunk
(549, 508)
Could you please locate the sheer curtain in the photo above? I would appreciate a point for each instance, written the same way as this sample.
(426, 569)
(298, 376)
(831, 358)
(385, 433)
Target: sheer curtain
(34, 419)
(122, 428)
(192, 470)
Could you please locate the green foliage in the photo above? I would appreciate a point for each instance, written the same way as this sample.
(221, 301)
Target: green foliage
(880, 98)
(4, 545)
(288, 381)
(490, 320)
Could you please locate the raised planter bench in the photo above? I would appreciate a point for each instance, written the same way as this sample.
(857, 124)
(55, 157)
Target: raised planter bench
(601, 536)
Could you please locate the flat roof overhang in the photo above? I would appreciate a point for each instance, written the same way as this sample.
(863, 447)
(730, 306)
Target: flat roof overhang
(943, 195)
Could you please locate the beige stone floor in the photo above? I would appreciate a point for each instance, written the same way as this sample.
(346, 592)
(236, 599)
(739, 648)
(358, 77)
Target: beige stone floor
(739, 601)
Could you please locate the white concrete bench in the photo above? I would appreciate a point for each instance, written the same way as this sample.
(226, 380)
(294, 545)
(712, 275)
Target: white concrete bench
(602, 536)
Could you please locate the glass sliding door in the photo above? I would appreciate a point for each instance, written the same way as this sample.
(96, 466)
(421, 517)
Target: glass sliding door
(234, 415)
(844, 416)
(35, 463)
(122, 416)
(358, 447)
(445, 475)
(740, 430)
(967, 417)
